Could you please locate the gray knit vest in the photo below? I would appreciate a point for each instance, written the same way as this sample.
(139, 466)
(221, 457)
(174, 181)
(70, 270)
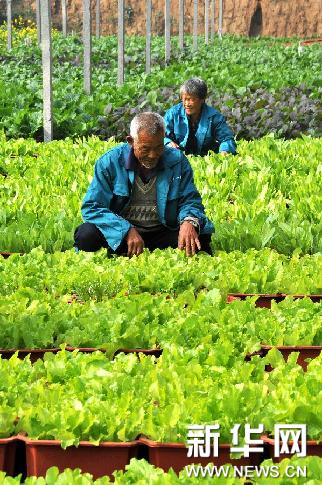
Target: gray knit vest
(142, 209)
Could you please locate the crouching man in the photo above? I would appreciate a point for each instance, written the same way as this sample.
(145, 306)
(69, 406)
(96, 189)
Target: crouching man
(143, 195)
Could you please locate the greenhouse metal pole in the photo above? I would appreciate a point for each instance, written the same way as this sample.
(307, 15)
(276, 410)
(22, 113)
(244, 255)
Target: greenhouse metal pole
(195, 25)
(206, 22)
(87, 41)
(212, 21)
(220, 19)
(38, 14)
(120, 36)
(47, 70)
(167, 30)
(64, 16)
(98, 19)
(9, 25)
(148, 36)
(181, 24)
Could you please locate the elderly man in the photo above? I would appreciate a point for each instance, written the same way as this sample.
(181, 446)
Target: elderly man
(196, 127)
(143, 195)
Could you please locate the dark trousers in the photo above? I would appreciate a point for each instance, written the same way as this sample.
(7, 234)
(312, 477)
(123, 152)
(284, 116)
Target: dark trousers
(89, 238)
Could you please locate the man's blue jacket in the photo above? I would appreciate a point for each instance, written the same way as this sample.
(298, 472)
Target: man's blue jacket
(212, 131)
(110, 190)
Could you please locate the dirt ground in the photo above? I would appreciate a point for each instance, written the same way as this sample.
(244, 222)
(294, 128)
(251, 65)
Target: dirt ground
(279, 18)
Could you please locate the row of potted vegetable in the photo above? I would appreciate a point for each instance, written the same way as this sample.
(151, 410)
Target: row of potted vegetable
(35, 320)
(144, 473)
(69, 398)
(109, 457)
(94, 276)
(256, 199)
(263, 299)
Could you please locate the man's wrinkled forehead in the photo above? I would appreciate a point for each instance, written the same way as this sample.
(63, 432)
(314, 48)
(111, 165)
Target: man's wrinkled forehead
(150, 139)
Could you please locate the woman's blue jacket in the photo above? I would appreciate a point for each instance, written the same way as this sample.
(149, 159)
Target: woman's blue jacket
(213, 133)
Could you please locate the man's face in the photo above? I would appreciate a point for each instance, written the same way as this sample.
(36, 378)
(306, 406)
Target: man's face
(148, 148)
(192, 104)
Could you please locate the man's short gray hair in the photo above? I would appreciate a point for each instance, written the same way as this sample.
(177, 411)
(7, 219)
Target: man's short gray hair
(151, 123)
(195, 87)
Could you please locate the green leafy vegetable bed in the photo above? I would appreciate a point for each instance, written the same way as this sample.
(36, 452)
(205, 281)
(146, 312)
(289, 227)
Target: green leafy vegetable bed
(237, 66)
(31, 319)
(268, 195)
(265, 202)
(73, 397)
(94, 276)
(141, 472)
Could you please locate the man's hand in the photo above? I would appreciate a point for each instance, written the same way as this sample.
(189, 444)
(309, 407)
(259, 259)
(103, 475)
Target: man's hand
(224, 153)
(173, 144)
(188, 239)
(135, 243)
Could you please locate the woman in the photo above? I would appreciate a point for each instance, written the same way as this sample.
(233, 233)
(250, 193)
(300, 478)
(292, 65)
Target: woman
(196, 127)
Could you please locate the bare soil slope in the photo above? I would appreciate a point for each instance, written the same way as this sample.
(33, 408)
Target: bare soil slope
(280, 18)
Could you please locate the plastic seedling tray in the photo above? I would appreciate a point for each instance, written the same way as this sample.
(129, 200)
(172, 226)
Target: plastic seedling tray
(305, 352)
(8, 454)
(155, 352)
(311, 41)
(6, 254)
(174, 455)
(35, 354)
(265, 300)
(84, 350)
(88, 350)
(98, 460)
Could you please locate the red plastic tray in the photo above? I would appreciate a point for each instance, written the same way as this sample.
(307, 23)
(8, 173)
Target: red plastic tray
(36, 354)
(265, 300)
(6, 254)
(155, 352)
(174, 455)
(311, 41)
(8, 454)
(305, 352)
(97, 460)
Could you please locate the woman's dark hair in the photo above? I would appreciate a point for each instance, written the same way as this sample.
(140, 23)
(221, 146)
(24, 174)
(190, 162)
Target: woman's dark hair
(195, 87)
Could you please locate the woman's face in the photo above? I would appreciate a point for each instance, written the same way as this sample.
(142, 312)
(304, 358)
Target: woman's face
(192, 104)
